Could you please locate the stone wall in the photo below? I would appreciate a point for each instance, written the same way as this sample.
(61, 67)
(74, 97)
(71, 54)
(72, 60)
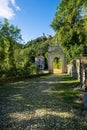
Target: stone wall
(73, 69)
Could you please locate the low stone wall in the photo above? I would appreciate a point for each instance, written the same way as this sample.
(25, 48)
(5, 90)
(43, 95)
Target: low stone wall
(73, 69)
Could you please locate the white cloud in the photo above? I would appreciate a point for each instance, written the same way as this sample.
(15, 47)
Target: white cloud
(14, 4)
(6, 11)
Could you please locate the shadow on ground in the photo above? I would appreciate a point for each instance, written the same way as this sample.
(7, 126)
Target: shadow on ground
(44, 103)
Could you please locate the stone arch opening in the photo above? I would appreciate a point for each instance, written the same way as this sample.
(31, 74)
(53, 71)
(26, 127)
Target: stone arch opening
(57, 65)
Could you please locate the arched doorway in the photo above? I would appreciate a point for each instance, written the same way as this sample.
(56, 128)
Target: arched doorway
(57, 65)
(56, 51)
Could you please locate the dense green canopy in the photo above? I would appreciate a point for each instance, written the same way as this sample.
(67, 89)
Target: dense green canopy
(9, 36)
(70, 25)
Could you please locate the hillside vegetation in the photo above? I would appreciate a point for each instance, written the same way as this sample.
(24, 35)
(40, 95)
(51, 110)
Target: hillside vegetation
(70, 26)
(19, 59)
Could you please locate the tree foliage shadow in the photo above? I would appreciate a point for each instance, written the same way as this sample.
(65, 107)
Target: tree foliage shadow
(28, 96)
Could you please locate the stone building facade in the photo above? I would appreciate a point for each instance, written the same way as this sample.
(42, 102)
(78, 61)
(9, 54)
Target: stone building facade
(40, 62)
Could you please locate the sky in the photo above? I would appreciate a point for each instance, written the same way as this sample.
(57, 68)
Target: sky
(33, 17)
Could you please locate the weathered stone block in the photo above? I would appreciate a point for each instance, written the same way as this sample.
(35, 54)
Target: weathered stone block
(85, 101)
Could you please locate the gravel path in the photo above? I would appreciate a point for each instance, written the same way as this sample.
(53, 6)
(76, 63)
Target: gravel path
(45, 103)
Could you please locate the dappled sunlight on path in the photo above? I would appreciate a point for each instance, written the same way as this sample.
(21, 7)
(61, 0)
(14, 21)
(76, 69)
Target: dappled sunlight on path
(44, 103)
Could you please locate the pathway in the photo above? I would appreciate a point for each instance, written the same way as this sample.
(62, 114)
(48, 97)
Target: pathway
(44, 103)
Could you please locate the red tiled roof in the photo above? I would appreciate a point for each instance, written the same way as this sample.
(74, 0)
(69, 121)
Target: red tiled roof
(39, 57)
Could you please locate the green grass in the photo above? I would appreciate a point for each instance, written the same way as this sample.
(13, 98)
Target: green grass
(44, 103)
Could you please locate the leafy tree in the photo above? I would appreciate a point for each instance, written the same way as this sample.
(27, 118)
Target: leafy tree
(9, 36)
(30, 54)
(69, 22)
(7, 30)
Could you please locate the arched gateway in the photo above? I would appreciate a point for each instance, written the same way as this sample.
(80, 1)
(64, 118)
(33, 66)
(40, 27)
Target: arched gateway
(53, 52)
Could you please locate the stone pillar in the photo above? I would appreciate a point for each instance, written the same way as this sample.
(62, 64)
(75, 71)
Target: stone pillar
(83, 71)
(64, 65)
(50, 63)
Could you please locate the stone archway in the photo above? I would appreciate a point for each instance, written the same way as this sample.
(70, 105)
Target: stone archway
(56, 51)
